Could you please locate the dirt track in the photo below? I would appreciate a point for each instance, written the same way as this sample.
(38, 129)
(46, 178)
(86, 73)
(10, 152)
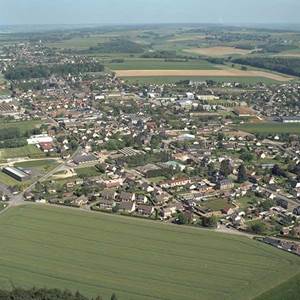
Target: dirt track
(201, 73)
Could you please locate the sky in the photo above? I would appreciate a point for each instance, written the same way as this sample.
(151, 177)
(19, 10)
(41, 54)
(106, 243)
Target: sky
(19, 12)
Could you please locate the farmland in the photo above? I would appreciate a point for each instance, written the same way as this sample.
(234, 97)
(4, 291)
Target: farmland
(160, 64)
(136, 259)
(200, 73)
(19, 152)
(218, 51)
(166, 80)
(24, 126)
(271, 128)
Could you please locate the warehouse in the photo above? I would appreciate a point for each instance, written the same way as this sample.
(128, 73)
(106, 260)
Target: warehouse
(16, 173)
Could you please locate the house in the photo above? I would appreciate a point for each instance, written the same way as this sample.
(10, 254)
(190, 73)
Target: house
(46, 147)
(128, 207)
(225, 184)
(106, 204)
(141, 199)
(280, 201)
(145, 210)
(108, 194)
(175, 183)
(296, 211)
(227, 211)
(127, 197)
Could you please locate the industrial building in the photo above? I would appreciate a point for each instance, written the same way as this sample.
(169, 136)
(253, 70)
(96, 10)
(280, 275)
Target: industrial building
(16, 173)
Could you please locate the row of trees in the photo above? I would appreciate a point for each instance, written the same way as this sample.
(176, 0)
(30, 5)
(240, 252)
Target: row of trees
(286, 65)
(21, 72)
(46, 294)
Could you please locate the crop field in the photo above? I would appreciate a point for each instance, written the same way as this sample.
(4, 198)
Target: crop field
(160, 64)
(271, 128)
(137, 259)
(167, 80)
(80, 42)
(24, 126)
(288, 290)
(200, 73)
(218, 51)
(19, 152)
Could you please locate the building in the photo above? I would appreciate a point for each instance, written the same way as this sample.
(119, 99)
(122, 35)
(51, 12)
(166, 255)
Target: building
(40, 138)
(290, 119)
(16, 173)
(85, 158)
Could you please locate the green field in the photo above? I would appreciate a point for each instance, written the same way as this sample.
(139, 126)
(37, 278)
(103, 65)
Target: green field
(41, 165)
(271, 128)
(7, 180)
(19, 152)
(87, 172)
(161, 80)
(137, 259)
(289, 290)
(161, 64)
(24, 126)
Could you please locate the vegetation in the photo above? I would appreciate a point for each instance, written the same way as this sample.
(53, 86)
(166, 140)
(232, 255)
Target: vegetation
(286, 65)
(288, 290)
(117, 46)
(102, 254)
(44, 71)
(45, 294)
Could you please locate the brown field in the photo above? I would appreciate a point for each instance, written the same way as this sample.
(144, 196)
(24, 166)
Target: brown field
(187, 38)
(218, 51)
(200, 73)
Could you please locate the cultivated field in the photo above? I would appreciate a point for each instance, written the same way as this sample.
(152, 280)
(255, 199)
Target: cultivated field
(24, 126)
(136, 259)
(218, 51)
(201, 73)
(19, 152)
(271, 128)
(161, 64)
(168, 80)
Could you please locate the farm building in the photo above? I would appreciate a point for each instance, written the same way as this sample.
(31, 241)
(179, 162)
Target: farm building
(290, 119)
(16, 173)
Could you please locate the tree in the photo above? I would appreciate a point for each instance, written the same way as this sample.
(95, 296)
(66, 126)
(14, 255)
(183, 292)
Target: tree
(277, 171)
(225, 168)
(258, 227)
(209, 221)
(246, 156)
(113, 297)
(242, 174)
(182, 219)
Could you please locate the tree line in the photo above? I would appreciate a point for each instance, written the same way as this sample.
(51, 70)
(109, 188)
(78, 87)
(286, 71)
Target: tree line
(46, 294)
(21, 72)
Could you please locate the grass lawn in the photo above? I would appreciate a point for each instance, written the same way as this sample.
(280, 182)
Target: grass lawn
(87, 172)
(217, 204)
(19, 152)
(161, 64)
(41, 165)
(3, 205)
(137, 259)
(161, 80)
(24, 126)
(7, 180)
(156, 179)
(271, 128)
